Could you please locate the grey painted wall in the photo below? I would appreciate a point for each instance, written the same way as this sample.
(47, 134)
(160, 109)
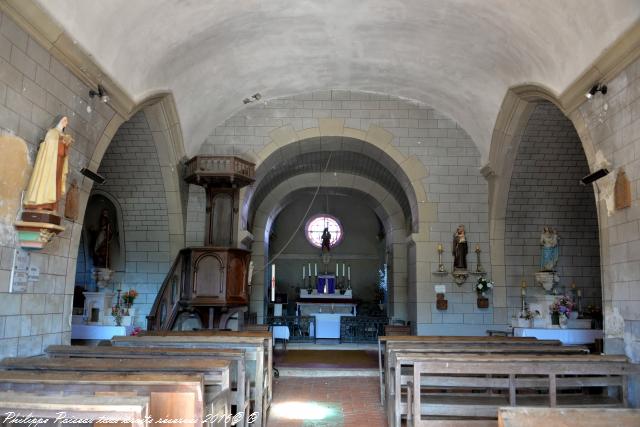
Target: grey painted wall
(545, 190)
(361, 248)
(34, 88)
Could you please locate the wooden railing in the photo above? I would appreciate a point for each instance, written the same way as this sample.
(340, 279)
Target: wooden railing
(212, 166)
(166, 305)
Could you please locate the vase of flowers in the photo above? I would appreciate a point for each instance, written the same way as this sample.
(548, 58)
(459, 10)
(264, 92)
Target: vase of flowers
(129, 297)
(563, 306)
(482, 287)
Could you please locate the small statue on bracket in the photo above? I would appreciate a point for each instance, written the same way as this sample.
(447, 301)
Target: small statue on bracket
(459, 250)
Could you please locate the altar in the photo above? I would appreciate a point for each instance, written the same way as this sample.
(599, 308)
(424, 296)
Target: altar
(327, 314)
(566, 336)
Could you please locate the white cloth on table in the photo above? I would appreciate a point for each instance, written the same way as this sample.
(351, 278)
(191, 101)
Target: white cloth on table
(280, 332)
(566, 336)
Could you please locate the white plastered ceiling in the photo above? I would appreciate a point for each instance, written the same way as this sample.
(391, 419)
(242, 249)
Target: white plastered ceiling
(459, 56)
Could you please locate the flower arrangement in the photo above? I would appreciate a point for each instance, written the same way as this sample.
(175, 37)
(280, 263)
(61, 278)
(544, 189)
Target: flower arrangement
(136, 331)
(116, 312)
(129, 297)
(562, 306)
(483, 285)
(529, 315)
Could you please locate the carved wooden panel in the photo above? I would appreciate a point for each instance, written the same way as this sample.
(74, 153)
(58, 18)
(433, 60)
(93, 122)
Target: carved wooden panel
(237, 277)
(221, 220)
(209, 277)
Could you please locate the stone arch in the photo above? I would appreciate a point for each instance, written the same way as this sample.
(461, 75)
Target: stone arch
(164, 124)
(517, 107)
(375, 136)
(381, 202)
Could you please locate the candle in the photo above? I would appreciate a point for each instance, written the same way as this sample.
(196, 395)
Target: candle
(303, 272)
(309, 269)
(343, 269)
(337, 272)
(316, 269)
(349, 273)
(273, 282)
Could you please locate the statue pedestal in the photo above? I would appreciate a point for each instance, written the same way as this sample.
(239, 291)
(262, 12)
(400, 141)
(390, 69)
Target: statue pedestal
(102, 276)
(97, 307)
(547, 279)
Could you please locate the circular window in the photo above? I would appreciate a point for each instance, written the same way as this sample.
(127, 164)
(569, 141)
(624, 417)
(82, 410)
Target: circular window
(316, 225)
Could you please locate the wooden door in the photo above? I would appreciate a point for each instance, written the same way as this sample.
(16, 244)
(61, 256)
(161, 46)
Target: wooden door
(237, 279)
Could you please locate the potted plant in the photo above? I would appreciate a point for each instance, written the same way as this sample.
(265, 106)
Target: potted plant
(561, 309)
(482, 287)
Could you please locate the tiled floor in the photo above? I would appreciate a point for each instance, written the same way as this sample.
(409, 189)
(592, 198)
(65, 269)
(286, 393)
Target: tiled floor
(326, 402)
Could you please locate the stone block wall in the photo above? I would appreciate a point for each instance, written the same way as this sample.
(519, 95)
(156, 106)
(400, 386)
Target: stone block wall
(545, 191)
(453, 183)
(34, 88)
(612, 125)
(133, 177)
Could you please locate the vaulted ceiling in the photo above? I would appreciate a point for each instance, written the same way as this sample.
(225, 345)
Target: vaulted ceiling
(459, 56)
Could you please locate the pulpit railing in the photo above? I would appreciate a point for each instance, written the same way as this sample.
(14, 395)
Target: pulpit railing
(362, 328)
(203, 167)
(301, 328)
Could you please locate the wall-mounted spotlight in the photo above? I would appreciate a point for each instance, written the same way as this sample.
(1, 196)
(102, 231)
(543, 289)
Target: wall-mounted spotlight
(101, 93)
(595, 89)
(600, 173)
(99, 179)
(252, 98)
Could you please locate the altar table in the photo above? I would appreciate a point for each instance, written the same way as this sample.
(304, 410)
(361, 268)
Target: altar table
(566, 336)
(327, 316)
(98, 332)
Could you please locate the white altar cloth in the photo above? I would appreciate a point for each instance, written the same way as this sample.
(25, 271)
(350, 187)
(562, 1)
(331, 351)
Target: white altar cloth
(566, 336)
(98, 332)
(348, 294)
(328, 324)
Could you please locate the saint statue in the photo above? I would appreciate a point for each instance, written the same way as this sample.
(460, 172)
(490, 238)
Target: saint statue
(103, 241)
(460, 249)
(549, 257)
(47, 183)
(326, 239)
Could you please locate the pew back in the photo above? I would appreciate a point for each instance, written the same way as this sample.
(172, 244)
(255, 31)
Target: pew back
(170, 396)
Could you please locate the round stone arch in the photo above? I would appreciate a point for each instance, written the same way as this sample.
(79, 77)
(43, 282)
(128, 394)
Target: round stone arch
(514, 114)
(381, 202)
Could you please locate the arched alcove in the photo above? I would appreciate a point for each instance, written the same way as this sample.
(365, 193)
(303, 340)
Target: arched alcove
(545, 191)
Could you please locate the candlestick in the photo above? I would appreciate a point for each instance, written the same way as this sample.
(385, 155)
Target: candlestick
(273, 282)
(440, 248)
(523, 290)
(523, 297)
(441, 268)
(477, 248)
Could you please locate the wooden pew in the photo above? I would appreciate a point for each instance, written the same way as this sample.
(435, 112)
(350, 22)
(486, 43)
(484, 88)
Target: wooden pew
(257, 346)
(514, 376)
(100, 411)
(568, 417)
(397, 376)
(397, 330)
(215, 372)
(170, 396)
(239, 387)
(382, 341)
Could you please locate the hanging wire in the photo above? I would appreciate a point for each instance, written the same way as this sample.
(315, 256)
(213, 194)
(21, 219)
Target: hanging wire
(286, 245)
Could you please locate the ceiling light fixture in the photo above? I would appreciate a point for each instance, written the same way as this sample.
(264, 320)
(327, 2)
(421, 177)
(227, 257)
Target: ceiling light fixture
(101, 93)
(253, 98)
(598, 87)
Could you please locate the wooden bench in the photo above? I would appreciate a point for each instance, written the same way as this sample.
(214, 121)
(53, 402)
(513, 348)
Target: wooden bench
(397, 374)
(258, 355)
(396, 330)
(239, 386)
(215, 372)
(568, 417)
(383, 340)
(170, 396)
(100, 411)
(510, 380)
